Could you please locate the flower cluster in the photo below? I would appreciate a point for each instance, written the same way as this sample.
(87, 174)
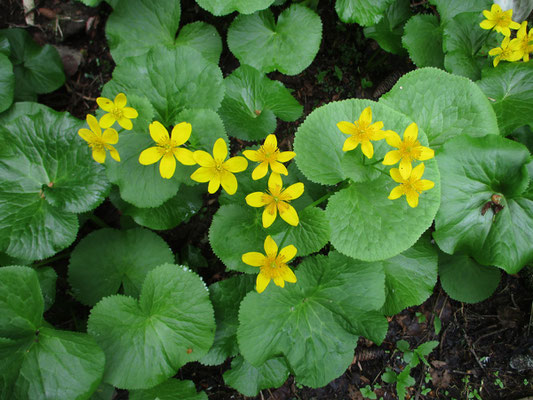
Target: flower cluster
(510, 49)
(408, 151)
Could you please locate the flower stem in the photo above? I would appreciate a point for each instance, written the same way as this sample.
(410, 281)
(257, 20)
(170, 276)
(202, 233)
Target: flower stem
(376, 162)
(285, 237)
(483, 42)
(48, 261)
(99, 221)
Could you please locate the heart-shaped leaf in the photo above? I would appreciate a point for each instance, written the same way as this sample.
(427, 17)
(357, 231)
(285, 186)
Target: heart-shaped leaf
(363, 12)
(423, 40)
(223, 7)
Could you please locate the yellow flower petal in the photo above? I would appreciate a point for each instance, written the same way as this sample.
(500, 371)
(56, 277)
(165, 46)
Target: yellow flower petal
(411, 133)
(181, 133)
(105, 104)
(271, 248)
(425, 184)
(278, 280)
(203, 174)
(368, 149)
(279, 168)
(256, 199)
(288, 275)
(203, 158)
(87, 135)
(412, 198)
(351, 143)
(214, 184)
(376, 126)
(220, 150)
(107, 121)
(366, 116)
(261, 283)
(158, 133)
(99, 154)
(417, 172)
(235, 164)
(253, 258)
(184, 156)
(285, 156)
(120, 100)
(486, 24)
(270, 141)
(130, 112)
(274, 181)
(392, 157)
(228, 182)
(405, 168)
(347, 127)
(93, 124)
(288, 253)
(110, 136)
(425, 153)
(293, 191)
(150, 155)
(252, 155)
(260, 171)
(269, 215)
(167, 166)
(289, 214)
(125, 123)
(113, 153)
(396, 193)
(396, 176)
(393, 139)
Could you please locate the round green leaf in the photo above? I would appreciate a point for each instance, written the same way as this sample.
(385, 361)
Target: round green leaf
(288, 46)
(473, 169)
(423, 94)
(47, 281)
(314, 322)
(147, 341)
(47, 175)
(171, 79)
(37, 69)
(172, 389)
(318, 142)
(363, 12)
(223, 7)
(510, 90)
(249, 380)
(423, 40)
(203, 38)
(449, 9)
(410, 276)
(225, 295)
(170, 214)
(253, 101)
(21, 302)
(7, 82)
(244, 227)
(465, 280)
(108, 259)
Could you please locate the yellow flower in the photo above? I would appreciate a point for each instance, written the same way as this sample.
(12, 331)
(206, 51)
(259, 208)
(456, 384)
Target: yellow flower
(216, 171)
(273, 265)
(409, 150)
(412, 186)
(277, 199)
(362, 131)
(117, 111)
(269, 154)
(98, 142)
(509, 51)
(500, 21)
(524, 41)
(167, 148)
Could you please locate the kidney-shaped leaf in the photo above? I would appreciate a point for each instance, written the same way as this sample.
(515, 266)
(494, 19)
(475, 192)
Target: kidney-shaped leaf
(314, 322)
(147, 341)
(473, 170)
(7, 82)
(172, 389)
(288, 46)
(47, 176)
(423, 41)
(223, 7)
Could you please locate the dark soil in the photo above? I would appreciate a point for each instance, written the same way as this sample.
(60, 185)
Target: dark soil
(478, 344)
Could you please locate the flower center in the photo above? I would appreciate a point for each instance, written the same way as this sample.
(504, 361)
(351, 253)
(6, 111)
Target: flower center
(269, 153)
(218, 166)
(117, 113)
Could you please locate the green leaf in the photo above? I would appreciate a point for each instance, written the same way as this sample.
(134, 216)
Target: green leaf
(253, 101)
(21, 302)
(510, 90)
(249, 380)
(389, 31)
(37, 69)
(172, 389)
(147, 341)
(107, 259)
(318, 142)
(244, 227)
(473, 169)
(423, 41)
(159, 22)
(47, 281)
(410, 276)
(171, 79)
(170, 214)
(103, 392)
(288, 46)
(423, 94)
(223, 7)
(465, 280)
(91, 3)
(7, 82)
(225, 296)
(314, 322)
(48, 175)
(363, 12)
(449, 9)
(463, 38)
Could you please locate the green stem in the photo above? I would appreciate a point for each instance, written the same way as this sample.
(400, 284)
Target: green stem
(483, 42)
(99, 221)
(285, 237)
(363, 158)
(377, 169)
(376, 162)
(51, 260)
(320, 200)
